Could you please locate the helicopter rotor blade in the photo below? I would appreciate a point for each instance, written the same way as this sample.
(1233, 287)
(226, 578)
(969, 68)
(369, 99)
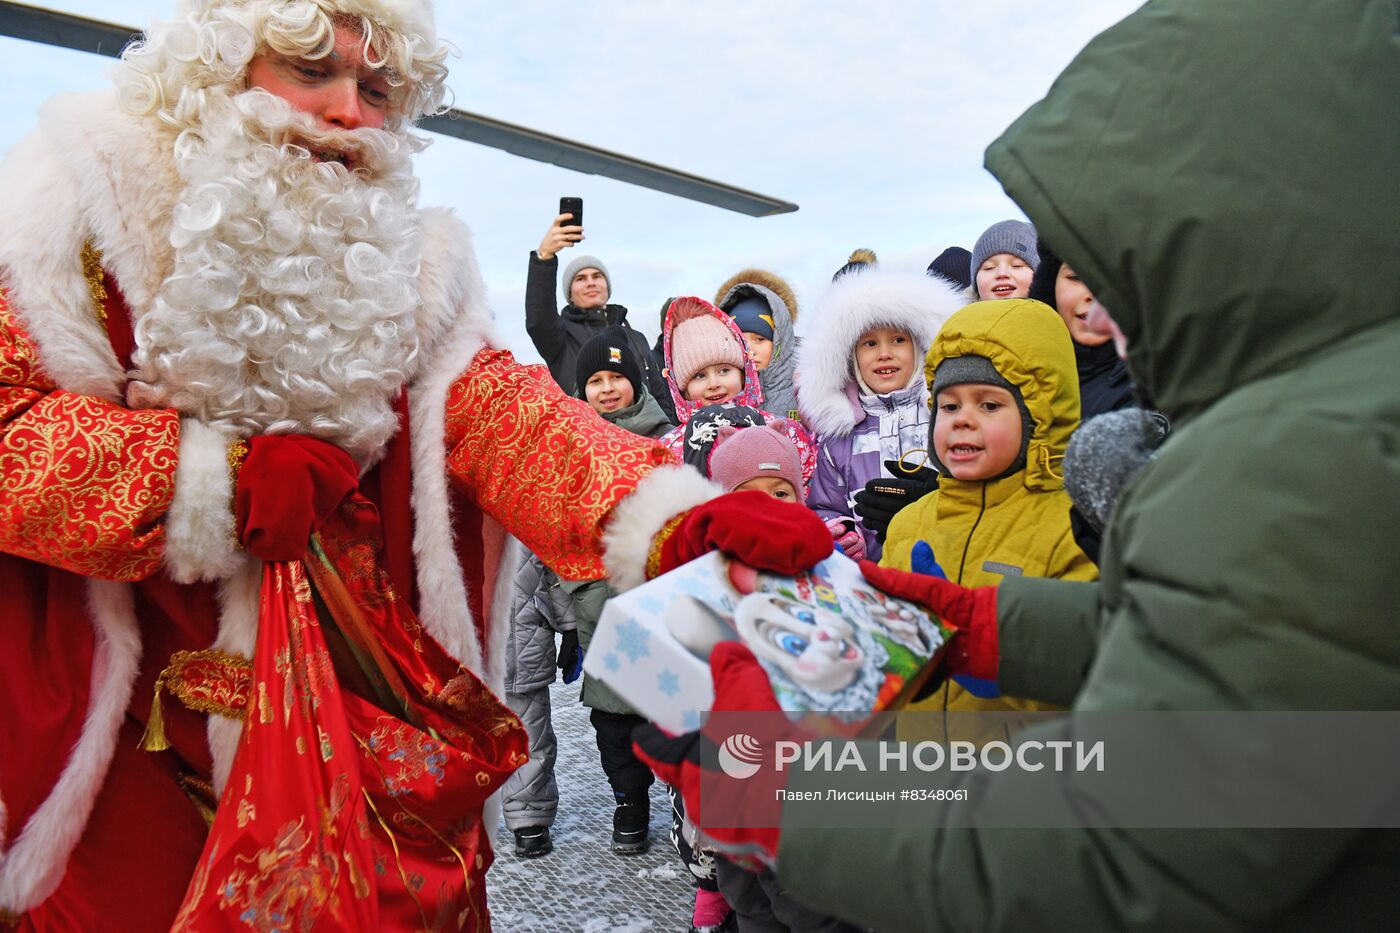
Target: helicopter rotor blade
(66, 30)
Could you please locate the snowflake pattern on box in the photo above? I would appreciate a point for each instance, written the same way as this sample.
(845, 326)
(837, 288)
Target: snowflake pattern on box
(633, 641)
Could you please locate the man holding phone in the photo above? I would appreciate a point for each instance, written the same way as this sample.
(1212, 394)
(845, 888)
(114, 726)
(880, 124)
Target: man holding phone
(558, 334)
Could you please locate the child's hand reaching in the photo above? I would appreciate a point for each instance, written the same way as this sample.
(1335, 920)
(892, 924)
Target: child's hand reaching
(847, 538)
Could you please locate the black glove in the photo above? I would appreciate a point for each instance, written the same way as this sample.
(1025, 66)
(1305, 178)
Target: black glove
(1089, 538)
(570, 657)
(881, 499)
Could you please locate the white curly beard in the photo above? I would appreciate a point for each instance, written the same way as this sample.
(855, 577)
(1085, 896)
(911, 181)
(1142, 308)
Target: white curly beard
(291, 305)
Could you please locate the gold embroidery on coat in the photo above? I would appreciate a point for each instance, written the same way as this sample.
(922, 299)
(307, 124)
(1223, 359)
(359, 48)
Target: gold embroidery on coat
(86, 482)
(210, 681)
(658, 543)
(92, 271)
(542, 464)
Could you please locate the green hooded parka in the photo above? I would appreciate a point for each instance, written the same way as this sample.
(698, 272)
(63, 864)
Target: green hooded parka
(1222, 174)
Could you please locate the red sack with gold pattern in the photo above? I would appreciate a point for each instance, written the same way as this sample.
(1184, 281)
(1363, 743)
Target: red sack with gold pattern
(356, 805)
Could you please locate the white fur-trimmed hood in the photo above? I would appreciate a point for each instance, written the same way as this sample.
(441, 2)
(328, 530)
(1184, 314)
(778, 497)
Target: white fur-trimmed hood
(866, 298)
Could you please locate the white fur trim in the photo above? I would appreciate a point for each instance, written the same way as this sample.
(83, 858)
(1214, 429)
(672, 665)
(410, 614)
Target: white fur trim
(856, 302)
(238, 632)
(661, 495)
(199, 528)
(34, 865)
(457, 326)
(88, 171)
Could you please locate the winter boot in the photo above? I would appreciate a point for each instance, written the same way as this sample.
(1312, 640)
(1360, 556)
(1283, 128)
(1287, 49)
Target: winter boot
(711, 913)
(532, 842)
(630, 821)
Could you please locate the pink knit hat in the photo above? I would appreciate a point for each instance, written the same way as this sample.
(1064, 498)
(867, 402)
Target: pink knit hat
(702, 341)
(741, 454)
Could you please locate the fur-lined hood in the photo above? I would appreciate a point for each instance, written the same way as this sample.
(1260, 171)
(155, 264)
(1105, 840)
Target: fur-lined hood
(678, 312)
(856, 302)
(762, 277)
(779, 378)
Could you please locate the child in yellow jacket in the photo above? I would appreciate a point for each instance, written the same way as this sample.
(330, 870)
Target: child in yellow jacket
(1005, 402)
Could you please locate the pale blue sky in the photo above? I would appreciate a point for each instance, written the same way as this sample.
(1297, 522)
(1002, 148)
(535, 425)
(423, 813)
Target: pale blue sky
(873, 118)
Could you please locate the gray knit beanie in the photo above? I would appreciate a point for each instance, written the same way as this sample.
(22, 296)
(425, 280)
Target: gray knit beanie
(577, 266)
(961, 370)
(1008, 236)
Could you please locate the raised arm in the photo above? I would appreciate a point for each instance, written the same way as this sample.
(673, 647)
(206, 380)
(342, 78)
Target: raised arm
(542, 320)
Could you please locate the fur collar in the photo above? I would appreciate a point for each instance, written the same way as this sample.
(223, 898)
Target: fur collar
(91, 172)
(911, 301)
(771, 281)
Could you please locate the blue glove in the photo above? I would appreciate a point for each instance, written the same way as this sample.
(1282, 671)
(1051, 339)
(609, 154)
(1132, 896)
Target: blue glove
(921, 560)
(570, 657)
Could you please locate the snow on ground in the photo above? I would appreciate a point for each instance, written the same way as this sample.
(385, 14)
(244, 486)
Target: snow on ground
(582, 885)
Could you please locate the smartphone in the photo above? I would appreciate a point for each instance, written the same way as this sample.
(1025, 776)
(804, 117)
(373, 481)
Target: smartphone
(572, 206)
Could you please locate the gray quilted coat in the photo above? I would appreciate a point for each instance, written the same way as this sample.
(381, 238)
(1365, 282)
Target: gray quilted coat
(543, 606)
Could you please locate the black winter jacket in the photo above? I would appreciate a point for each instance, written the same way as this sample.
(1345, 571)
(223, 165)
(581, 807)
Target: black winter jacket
(558, 336)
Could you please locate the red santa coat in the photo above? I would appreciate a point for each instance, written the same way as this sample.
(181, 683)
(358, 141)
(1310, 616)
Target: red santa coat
(116, 545)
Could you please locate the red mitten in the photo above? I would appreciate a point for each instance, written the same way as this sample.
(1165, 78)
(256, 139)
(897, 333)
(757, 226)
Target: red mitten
(740, 686)
(288, 485)
(973, 651)
(752, 526)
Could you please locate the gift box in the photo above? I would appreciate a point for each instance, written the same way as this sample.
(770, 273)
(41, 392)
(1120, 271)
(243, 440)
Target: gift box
(828, 640)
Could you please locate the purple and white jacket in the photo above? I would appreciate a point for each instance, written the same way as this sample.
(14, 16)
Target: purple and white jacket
(857, 432)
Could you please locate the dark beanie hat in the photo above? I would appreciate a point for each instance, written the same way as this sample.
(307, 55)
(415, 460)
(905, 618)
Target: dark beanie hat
(859, 259)
(962, 370)
(610, 350)
(1043, 283)
(754, 316)
(953, 265)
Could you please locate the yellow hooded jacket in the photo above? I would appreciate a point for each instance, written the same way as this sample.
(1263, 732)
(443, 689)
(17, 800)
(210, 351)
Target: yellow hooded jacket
(982, 531)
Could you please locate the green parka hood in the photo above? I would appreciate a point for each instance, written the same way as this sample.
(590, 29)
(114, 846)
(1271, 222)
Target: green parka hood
(1192, 245)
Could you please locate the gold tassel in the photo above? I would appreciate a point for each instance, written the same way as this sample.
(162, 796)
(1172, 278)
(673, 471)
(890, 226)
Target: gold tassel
(153, 739)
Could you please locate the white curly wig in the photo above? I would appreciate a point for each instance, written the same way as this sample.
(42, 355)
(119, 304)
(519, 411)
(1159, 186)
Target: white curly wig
(210, 43)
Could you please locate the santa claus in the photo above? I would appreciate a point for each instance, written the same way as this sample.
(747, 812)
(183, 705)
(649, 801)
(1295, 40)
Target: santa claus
(259, 461)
